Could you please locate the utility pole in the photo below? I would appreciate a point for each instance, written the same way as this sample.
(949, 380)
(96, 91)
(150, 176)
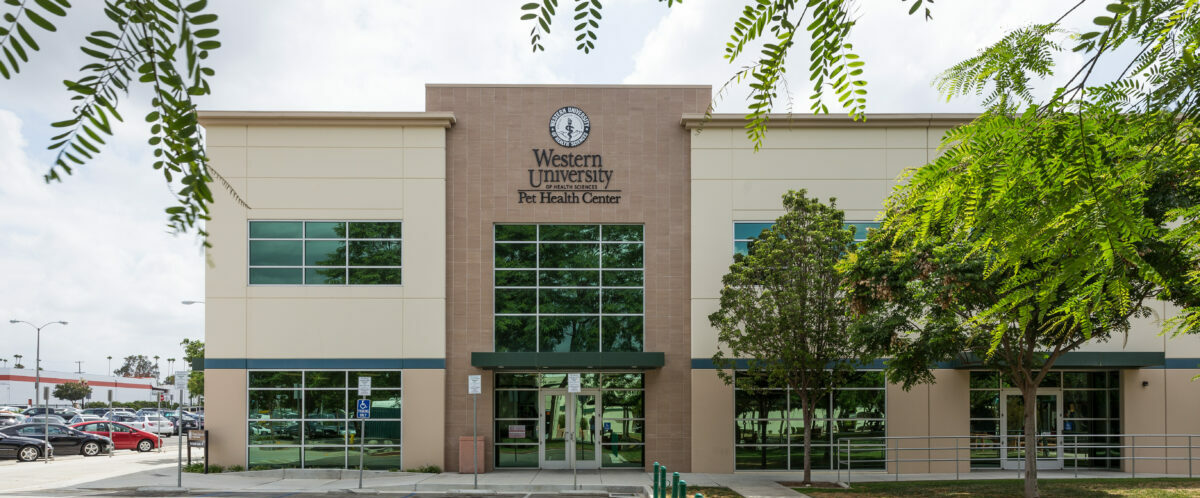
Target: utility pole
(110, 370)
(78, 366)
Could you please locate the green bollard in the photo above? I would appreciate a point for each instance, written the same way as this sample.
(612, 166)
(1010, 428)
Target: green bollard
(661, 479)
(654, 481)
(675, 485)
(698, 495)
(682, 488)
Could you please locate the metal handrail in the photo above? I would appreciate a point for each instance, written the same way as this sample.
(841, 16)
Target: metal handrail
(1126, 449)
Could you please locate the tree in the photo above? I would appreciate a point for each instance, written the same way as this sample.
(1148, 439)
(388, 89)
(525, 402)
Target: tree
(162, 44)
(17, 363)
(73, 391)
(782, 314)
(137, 366)
(193, 354)
(992, 249)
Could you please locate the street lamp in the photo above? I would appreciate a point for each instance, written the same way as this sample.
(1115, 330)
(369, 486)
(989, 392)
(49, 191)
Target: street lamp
(191, 302)
(37, 383)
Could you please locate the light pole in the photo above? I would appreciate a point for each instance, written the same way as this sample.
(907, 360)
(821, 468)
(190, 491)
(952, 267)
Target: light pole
(37, 384)
(110, 372)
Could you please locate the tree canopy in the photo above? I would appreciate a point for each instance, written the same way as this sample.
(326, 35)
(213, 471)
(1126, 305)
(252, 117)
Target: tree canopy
(138, 366)
(782, 319)
(73, 391)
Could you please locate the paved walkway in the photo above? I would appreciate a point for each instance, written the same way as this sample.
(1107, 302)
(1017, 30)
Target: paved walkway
(519, 482)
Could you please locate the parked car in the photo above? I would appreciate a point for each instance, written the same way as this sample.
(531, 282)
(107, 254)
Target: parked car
(189, 421)
(45, 419)
(63, 439)
(118, 411)
(123, 436)
(23, 448)
(12, 409)
(10, 418)
(99, 412)
(148, 423)
(82, 417)
(37, 410)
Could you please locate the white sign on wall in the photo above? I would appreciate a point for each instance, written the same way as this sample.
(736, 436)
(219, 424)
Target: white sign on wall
(573, 383)
(364, 386)
(474, 384)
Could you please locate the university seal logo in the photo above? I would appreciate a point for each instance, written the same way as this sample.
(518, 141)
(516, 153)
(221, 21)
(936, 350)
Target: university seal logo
(570, 126)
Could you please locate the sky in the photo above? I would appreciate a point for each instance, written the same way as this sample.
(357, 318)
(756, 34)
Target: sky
(95, 251)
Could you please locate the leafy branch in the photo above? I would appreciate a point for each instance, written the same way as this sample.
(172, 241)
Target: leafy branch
(12, 45)
(163, 44)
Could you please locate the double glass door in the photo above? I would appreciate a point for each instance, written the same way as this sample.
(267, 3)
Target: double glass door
(1048, 417)
(568, 429)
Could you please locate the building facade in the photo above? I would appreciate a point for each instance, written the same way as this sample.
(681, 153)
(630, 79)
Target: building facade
(17, 387)
(524, 233)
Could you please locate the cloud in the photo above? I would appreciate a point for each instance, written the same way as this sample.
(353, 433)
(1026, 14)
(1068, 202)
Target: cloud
(93, 250)
(88, 252)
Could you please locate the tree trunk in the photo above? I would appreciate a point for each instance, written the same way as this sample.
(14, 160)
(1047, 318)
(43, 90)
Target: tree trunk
(808, 421)
(1029, 393)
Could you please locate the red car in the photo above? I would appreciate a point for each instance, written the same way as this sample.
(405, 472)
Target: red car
(124, 437)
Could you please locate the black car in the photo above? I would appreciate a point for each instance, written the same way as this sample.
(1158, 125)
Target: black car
(64, 440)
(189, 422)
(23, 448)
(7, 418)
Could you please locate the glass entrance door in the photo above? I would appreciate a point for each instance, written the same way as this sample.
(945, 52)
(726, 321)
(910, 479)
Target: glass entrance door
(1048, 417)
(568, 429)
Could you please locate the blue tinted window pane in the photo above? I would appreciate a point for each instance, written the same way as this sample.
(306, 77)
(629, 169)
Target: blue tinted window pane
(275, 276)
(749, 230)
(324, 253)
(375, 230)
(275, 253)
(325, 276)
(275, 229)
(860, 229)
(325, 230)
(741, 247)
(562, 334)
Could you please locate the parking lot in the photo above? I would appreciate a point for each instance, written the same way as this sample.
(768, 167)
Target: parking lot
(70, 470)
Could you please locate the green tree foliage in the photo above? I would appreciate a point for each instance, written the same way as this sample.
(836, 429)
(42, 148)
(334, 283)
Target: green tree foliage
(783, 317)
(1031, 235)
(73, 391)
(193, 352)
(161, 44)
(138, 366)
(764, 34)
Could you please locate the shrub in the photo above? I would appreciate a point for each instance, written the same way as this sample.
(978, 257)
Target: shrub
(428, 469)
(235, 468)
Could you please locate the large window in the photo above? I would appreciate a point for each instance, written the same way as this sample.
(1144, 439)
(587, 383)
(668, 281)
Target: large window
(1091, 406)
(745, 231)
(568, 288)
(622, 416)
(769, 422)
(325, 253)
(305, 419)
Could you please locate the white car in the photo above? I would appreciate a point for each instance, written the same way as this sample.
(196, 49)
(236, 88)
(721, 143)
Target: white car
(157, 424)
(149, 423)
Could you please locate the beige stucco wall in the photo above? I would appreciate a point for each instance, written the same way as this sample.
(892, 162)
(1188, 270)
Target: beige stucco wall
(731, 182)
(1169, 403)
(423, 417)
(938, 409)
(712, 423)
(327, 172)
(225, 415)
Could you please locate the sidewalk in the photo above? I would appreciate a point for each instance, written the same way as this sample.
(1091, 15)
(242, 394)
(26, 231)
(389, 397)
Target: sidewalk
(589, 482)
(511, 482)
